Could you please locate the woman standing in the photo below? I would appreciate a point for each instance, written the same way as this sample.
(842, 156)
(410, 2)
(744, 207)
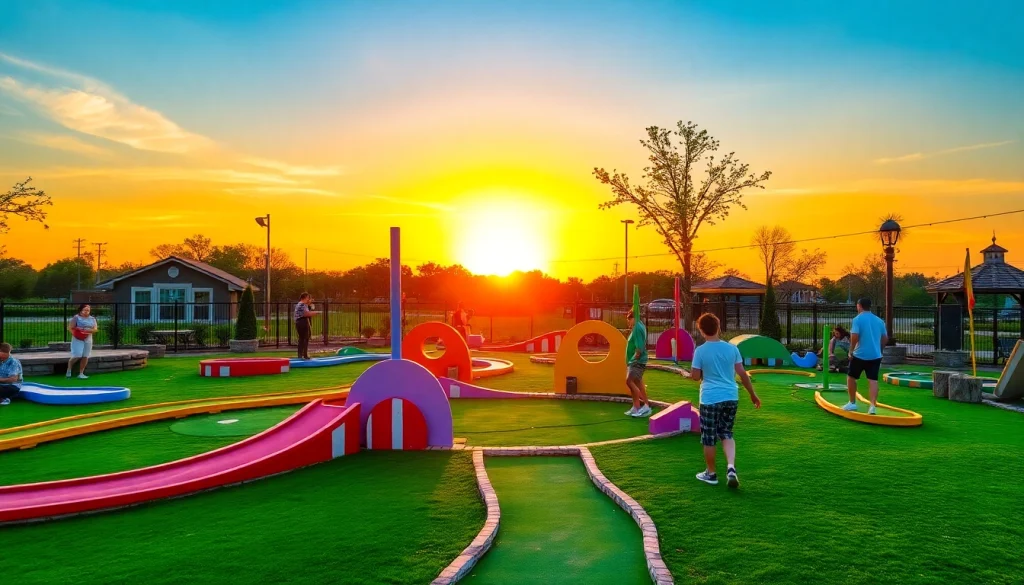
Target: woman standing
(81, 326)
(303, 323)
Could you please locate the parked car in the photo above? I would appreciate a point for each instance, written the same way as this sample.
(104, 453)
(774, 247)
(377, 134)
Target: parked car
(661, 306)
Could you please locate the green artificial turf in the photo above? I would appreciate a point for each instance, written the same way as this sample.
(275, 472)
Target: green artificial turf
(176, 378)
(375, 518)
(557, 527)
(542, 422)
(241, 423)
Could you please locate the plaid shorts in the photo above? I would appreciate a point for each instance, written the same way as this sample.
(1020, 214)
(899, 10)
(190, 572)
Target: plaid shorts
(636, 371)
(716, 421)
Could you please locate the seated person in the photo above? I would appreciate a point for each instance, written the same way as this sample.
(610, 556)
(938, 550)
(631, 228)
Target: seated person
(838, 350)
(10, 375)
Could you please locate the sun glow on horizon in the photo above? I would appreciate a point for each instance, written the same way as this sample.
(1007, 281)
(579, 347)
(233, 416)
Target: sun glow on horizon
(501, 237)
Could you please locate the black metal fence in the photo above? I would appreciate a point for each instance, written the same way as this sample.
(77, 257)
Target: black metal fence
(198, 326)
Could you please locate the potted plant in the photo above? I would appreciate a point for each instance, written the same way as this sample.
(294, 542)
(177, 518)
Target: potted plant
(246, 329)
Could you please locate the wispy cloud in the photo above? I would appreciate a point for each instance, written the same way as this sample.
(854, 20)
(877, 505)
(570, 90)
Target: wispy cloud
(948, 187)
(281, 191)
(914, 156)
(64, 142)
(294, 170)
(400, 201)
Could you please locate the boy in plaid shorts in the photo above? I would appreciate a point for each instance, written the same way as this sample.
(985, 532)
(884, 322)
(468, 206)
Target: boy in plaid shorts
(715, 365)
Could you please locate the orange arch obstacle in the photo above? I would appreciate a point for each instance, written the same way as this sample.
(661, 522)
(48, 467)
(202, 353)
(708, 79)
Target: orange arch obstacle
(607, 376)
(456, 352)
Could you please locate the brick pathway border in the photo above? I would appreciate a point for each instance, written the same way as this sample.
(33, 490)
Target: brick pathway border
(485, 538)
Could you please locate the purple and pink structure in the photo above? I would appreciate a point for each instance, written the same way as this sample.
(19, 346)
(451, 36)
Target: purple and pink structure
(684, 345)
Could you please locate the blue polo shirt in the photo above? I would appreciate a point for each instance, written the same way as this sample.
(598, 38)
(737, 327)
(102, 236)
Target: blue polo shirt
(870, 330)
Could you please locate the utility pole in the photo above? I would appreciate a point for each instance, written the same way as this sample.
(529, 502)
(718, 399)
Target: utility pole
(99, 259)
(625, 281)
(615, 270)
(78, 259)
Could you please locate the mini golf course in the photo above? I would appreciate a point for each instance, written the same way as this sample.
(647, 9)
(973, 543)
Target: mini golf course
(557, 523)
(389, 517)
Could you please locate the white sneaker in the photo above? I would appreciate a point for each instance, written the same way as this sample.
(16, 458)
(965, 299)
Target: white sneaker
(871, 410)
(851, 407)
(5, 402)
(645, 410)
(68, 375)
(631, 412)
(83, 377)
(708, 478)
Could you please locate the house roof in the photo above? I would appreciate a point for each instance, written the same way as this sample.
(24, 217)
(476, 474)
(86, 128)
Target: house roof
(794, 285)
(233, 282)
(729, 284)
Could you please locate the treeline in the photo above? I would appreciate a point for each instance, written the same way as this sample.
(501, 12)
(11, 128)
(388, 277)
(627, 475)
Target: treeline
(430, 282)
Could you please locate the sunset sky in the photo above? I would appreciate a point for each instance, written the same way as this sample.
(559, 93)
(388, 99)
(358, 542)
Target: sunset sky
(475, 126)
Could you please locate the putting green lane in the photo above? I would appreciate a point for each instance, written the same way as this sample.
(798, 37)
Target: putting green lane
(557, 527)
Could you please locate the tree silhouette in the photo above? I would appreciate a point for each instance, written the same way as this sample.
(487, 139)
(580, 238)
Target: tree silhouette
(24, 201)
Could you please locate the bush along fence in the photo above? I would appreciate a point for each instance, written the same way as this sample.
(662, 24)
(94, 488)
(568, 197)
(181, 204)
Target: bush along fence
(198, 326)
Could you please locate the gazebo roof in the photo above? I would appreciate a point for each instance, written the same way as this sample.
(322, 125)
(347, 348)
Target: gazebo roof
(728, 285)
(993, 276)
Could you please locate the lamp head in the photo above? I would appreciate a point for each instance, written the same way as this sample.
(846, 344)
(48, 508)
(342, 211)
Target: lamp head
(889, 233)
(263, 221)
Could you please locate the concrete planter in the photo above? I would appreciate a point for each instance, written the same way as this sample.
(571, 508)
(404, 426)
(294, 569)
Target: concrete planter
(894, 354)
(950, 359)
(377, 342)
(243, 345)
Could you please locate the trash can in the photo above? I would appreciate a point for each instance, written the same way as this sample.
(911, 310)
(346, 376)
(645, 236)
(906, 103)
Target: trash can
(570, 384)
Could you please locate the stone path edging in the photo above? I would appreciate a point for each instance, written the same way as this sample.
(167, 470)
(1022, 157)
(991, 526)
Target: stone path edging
(656, 566)
(461, 566)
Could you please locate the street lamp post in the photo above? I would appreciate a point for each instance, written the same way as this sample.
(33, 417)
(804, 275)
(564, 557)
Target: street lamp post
(889, 234)
(625, 280)
(265, 222)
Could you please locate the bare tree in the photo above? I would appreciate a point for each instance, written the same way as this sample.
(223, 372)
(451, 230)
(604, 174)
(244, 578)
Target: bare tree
(778, 254)
(199, 247)
(672, 200)
(24, 201)
(702, 268)
(165, 250)
(736, 272)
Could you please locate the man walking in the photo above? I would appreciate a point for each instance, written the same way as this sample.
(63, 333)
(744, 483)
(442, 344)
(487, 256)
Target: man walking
(636, 364)
(10, 375)
(867, 336)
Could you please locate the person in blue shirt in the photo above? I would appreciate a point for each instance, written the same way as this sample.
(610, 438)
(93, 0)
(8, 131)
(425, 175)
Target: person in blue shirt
(716, 364)
(867, 337)
(10, 375)
(636, 364)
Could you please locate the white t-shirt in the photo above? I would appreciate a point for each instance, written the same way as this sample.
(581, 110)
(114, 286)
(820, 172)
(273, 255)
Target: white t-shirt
(717, 361)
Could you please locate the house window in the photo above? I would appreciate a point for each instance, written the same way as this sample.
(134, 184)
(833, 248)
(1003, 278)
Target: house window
(168, 298)
(202, 303)
(141, 308)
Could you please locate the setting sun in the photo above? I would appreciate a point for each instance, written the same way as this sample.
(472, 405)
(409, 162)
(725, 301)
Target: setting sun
(501, 237)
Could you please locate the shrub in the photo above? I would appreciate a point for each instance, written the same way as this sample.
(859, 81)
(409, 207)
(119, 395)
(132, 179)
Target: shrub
(222, 333)
(114, 332)
(144, 332)
(368, 331)
(769, 325)
(25, 343)
(200, 335)
(386, 327)
(246, 327)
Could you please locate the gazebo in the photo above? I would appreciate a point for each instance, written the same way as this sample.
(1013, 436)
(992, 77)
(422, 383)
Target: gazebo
(716, 293)
(992, 277)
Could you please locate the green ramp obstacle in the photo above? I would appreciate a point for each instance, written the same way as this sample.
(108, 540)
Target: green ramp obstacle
(758, 350)
(558, 528)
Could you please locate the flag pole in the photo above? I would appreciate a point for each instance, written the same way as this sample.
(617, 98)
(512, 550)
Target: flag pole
(969, 298)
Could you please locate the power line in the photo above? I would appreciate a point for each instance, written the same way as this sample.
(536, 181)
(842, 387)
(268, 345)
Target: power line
(78, 259)
(99, 259)
(799, 241)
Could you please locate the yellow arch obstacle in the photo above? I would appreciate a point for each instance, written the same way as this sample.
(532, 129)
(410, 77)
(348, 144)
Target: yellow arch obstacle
(604, 377)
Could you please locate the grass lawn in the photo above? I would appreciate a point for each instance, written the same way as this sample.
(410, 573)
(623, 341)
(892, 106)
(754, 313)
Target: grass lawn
(379, 517)
(558, 528)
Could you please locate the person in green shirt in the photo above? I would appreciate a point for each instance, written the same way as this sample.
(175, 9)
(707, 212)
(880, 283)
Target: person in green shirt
(636, 364)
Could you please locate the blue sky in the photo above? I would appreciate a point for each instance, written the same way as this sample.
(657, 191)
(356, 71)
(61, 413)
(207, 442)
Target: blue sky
(431, 102)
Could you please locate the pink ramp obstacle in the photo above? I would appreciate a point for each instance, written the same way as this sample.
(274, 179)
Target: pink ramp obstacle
(547, 343)
(319, 432)
(684, 345)
(405, 379)
(681, 416)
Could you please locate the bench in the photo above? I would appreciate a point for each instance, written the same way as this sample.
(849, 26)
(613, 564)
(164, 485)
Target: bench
(1004, 347)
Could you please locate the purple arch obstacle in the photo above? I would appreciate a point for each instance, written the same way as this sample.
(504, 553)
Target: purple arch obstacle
(397, 378)
(684, 345)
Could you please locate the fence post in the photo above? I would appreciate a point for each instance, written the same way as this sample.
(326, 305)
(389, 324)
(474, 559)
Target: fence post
(789, 323)
(995, 336)
(65, 326)
(175, 325)
(277, 325)
(290, 319)
(2, 319)
(814, 328)
(117, 330)
(327, 320)
(530, 337)
(359, 329)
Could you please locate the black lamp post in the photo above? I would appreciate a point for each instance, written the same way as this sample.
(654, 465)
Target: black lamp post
(265, 222)
(889, 233)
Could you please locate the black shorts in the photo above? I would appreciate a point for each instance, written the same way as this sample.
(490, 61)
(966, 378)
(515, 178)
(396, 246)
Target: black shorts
(716, 421)
(869, 367)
